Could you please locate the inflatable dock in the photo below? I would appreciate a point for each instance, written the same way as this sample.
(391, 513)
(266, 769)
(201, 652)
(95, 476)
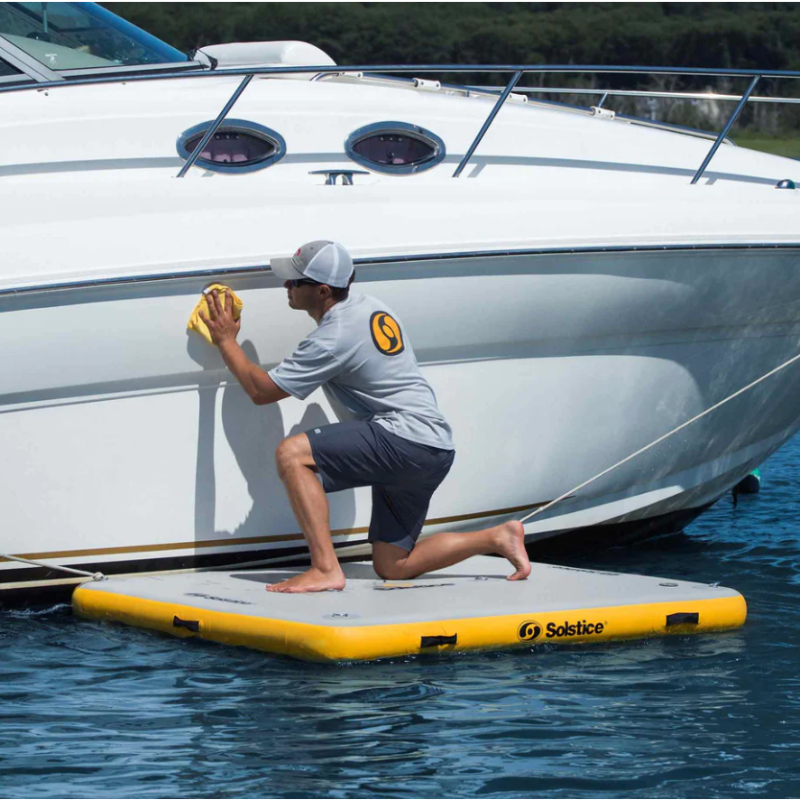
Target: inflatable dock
(470, 606)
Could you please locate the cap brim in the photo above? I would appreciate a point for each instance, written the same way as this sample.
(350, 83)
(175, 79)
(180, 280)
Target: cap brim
(285, 269)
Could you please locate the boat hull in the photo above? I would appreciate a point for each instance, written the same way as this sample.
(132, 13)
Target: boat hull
(132, 449)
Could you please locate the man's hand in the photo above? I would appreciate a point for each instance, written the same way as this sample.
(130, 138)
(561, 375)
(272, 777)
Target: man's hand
(223, 328)
(221, 324)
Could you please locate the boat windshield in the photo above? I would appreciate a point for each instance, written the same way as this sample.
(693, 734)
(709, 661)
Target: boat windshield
(65, 36)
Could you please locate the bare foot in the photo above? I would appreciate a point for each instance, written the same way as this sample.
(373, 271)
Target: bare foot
(313, 580)
(511, 545)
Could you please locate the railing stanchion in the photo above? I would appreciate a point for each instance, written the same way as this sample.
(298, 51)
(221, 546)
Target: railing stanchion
(213, 129)
(721, 138)
(489, 120)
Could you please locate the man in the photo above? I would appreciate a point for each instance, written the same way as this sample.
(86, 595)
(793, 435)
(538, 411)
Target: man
(396, 439)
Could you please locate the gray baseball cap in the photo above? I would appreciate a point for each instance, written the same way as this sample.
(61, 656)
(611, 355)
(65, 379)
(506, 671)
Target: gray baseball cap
(321, 261)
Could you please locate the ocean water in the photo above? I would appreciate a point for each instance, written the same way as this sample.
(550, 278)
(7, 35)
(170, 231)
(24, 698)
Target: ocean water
(93, 710)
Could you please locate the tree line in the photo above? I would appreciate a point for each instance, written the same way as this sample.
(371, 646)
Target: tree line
(718, 35)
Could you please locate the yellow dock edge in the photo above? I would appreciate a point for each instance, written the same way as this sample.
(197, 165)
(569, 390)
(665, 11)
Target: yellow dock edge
(369, 642)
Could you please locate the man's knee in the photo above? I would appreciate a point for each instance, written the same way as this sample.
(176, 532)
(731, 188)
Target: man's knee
(390, 572)
(293, 452)
(387, 564)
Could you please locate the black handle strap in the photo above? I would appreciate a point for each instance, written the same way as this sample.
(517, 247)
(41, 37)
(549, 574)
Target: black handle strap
(683, 618)
(435, 641)
(189, 624)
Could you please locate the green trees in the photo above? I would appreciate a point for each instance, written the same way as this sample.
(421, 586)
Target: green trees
(743, 35)
(690, 34)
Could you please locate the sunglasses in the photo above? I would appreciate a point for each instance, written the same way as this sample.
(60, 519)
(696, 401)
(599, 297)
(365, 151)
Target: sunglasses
(303, 282)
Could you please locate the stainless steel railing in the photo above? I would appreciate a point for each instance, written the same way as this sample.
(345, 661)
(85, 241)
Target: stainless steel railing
(517, 72)
(728, 125)
(604, 94)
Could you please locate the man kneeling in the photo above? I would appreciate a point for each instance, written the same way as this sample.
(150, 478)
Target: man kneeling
(399, 443)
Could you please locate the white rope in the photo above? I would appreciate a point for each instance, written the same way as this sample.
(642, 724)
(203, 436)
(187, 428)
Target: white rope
(661, 438)
(95, 576)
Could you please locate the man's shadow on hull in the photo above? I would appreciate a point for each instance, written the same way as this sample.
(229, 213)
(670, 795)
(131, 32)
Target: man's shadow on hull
(253, 433)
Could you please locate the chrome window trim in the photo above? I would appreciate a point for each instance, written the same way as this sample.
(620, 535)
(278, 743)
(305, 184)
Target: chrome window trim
(406, 128)
(246, 126)
(264, 269)
(27, 64)
(134, 69)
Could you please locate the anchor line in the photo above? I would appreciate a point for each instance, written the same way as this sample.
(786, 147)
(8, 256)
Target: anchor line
(95, 576)
(661, 438)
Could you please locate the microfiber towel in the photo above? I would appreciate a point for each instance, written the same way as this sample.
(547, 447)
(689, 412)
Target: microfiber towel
(197, 325)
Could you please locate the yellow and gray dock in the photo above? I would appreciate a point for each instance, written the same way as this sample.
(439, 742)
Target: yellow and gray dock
(466, 607)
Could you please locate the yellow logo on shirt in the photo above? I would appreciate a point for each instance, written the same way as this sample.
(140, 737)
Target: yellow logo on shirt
(386, 334)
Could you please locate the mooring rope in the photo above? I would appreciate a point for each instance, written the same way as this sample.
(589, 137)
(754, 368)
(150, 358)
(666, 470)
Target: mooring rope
(660, 439)
(95, 576)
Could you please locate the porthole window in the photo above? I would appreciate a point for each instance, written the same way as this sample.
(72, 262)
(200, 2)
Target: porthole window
(397, 148)
(238, 146)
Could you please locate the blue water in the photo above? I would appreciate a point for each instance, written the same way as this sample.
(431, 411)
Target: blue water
(91, 710)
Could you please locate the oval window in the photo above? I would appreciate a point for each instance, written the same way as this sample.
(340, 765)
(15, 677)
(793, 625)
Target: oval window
(238, 146)
(397, 148)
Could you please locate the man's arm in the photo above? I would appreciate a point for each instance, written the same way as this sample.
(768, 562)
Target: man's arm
(261, 389)
(258, 385)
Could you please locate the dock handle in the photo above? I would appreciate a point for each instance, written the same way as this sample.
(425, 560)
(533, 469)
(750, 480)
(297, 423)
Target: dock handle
(435, 641)
(189, 624)
(683, 618)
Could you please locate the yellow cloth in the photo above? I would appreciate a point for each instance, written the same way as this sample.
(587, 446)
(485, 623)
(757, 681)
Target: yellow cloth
(197, 325)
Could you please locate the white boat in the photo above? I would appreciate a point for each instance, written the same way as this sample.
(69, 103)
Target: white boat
(574, 283)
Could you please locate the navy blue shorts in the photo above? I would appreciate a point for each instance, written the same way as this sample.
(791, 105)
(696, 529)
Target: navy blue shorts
(403, 475)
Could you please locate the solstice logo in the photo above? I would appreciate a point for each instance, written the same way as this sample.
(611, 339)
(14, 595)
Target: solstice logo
(386, 334)
(529, 631)
(580, 628)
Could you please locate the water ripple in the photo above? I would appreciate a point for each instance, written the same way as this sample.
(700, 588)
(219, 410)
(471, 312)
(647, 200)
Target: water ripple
(94, 710)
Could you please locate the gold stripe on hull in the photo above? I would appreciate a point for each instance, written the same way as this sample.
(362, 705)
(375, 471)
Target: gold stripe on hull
(289, 537)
